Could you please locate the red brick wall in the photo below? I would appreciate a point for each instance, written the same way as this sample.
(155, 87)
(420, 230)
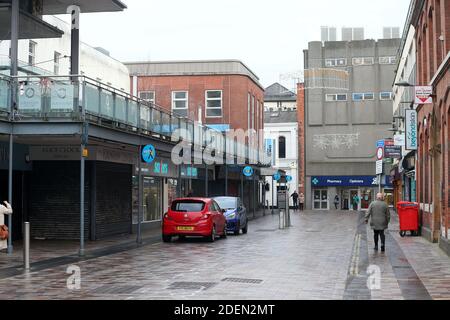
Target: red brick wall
(434, 22)
(235, 89)
(301, 136)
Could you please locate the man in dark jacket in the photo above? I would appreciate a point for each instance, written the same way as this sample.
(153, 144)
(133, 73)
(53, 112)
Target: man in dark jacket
(295, 199)
(380, 217)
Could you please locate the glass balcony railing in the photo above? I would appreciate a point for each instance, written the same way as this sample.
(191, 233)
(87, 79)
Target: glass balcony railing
(73, 97)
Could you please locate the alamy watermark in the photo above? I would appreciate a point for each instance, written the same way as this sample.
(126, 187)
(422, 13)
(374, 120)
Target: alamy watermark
(74, 280)
(236, 146)
(374, 279)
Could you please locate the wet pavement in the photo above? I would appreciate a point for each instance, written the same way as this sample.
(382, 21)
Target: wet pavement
(325, 255)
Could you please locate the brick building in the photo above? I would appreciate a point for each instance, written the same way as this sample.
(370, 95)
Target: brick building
(301, 136)
(431, 19)
(221, 94)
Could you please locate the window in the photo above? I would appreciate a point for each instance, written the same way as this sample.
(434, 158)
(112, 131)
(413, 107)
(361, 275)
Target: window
(213, 103)
(363, 96)
(388, 60)
(32, 53)
(339, 62)
(252, 113)
(336, 97)
(248, 110)
(385, 95)
(148, 96)
(188, 206)
(180, 103)
(282, 148)
(363, 61)
(56, 58)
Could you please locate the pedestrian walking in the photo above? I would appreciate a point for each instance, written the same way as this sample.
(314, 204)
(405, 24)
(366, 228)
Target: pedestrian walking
(380, 217)
(356, 200)
(301, 200)
(336, 202)
(4, 210)
(295, 197)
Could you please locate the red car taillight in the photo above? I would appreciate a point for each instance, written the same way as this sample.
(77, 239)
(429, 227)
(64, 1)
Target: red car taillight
(206, 216)
(166, 216)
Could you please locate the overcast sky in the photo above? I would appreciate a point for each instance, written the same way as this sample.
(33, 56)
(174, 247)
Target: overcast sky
(268, 36)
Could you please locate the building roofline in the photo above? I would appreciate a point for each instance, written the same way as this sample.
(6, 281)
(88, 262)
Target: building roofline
(251, 74)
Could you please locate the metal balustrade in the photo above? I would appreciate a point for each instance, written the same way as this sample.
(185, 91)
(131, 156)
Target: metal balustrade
(73, 97)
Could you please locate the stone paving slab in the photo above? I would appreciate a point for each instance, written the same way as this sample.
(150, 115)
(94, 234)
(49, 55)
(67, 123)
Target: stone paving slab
(312, 260)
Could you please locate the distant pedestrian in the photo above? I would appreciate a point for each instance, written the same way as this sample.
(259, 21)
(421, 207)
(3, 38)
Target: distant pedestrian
(336, 202)
(295, 197)
(4, 210)
(380, 217)
(190, 194)
(301, 200)
(356, 199)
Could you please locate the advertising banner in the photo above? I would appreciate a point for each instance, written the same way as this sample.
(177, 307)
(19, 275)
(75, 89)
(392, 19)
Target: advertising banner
(411, 130)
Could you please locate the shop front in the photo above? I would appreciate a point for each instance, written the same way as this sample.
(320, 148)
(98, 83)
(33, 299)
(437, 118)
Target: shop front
(159, 189)
(343, 192)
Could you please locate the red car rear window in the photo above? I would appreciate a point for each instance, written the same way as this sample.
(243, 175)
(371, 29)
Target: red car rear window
(188, 206)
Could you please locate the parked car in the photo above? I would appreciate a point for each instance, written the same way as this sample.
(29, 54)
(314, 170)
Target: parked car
(235, 213)
(194, 217)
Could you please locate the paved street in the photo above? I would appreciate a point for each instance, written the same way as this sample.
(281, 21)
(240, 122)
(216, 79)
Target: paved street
(325, 255)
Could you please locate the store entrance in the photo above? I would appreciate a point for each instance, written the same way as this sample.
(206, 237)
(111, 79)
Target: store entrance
(152, 199)
(321, 199)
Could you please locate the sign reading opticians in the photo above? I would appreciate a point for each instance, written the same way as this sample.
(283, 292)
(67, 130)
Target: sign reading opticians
(423, 94)
(411, 129)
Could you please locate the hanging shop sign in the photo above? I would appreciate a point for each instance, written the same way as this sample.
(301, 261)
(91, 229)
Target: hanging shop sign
(411, 129)
(399, 140)
(394, 152)
(424, 94)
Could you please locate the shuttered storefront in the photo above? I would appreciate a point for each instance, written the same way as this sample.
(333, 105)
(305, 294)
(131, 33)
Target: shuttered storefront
(113, 199)
(54, 203)
(54, 206)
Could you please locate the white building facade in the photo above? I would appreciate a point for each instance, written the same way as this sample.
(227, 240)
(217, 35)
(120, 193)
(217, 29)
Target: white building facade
(281, 133)
(52, 57)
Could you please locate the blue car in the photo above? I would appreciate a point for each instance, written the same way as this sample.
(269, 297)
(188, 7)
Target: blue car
(235, 213)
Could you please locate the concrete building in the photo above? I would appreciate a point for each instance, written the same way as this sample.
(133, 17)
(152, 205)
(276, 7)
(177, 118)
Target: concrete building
(431, 19)
(345, 119)
(281, 137)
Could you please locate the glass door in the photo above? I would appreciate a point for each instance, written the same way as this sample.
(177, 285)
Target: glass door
(152, 199)
(320, 199)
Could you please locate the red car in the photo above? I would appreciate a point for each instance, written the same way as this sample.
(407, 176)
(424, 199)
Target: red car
(194, 217)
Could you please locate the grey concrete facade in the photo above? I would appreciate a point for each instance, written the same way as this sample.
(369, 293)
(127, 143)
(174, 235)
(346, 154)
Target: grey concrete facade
(341, 135)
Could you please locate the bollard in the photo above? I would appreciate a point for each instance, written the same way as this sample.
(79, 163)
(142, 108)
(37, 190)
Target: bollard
(26, 246)
(282, 220)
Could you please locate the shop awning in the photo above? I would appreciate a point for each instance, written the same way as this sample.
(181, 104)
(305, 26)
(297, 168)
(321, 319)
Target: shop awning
(31, 27)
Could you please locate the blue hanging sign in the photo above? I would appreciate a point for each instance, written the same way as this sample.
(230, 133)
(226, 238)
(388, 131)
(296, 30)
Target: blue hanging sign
(248, 171)
(148, 153)
(277, 177)
(288, 178)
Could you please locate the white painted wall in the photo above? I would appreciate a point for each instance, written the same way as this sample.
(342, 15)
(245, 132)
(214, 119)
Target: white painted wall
(93, 63)
(290, 164)
(292, 105)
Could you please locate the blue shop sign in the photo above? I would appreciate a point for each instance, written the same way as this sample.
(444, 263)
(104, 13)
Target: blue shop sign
(344, 181)
(248, 171)
(148, 153)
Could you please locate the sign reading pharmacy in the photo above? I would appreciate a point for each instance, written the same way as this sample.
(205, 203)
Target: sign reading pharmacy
(344, 181)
